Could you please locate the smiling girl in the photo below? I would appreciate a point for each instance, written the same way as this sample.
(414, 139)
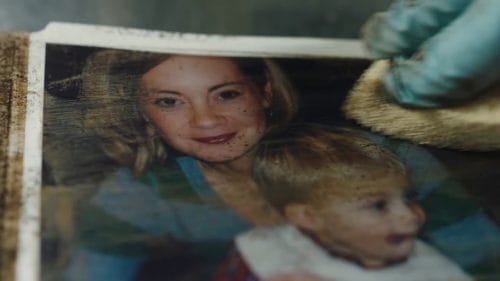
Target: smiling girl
(186, 128)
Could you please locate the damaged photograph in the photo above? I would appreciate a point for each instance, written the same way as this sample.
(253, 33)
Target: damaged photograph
(187, 167)
(147, 157)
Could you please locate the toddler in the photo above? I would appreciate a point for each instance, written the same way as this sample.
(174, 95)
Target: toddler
(351, 213)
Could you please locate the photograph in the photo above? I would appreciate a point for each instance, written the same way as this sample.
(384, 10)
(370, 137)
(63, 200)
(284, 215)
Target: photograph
(184, 164)
(134, 177)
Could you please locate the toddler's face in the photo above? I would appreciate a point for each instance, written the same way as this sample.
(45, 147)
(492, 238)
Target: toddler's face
(376, 225)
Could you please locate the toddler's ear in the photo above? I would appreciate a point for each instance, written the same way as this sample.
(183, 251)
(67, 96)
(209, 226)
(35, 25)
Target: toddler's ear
(303, 216)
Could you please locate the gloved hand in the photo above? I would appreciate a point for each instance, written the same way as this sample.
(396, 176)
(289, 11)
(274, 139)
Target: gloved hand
(442, 51)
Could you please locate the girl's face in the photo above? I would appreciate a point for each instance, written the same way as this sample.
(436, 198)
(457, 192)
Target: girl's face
(204, 107)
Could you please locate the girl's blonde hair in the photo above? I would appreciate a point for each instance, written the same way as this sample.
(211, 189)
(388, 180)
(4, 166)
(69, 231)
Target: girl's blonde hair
(111, 90)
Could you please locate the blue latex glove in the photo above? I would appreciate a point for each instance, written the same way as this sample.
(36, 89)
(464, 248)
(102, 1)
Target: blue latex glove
(442, 51)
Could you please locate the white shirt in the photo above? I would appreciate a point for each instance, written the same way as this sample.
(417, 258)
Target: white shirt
(284, 249)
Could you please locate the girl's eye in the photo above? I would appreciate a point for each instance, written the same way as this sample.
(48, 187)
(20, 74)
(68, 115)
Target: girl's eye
(229, 95)
(167, 102)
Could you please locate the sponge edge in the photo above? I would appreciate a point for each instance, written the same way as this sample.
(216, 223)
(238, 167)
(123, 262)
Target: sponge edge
(472, 126)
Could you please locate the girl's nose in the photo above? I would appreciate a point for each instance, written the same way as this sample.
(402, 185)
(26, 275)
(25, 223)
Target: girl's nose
(205, 117)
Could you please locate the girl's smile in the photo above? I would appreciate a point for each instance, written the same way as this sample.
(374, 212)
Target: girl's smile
(220, 139)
